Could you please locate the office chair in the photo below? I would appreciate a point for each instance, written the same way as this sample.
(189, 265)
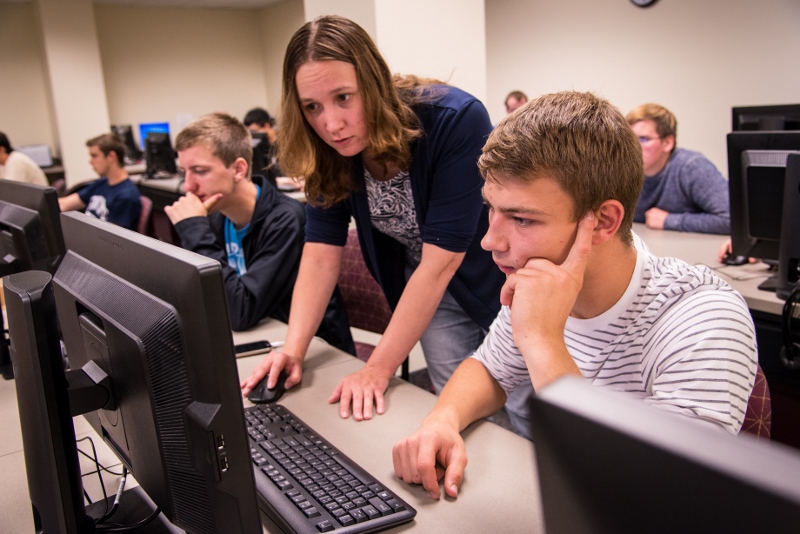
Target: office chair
(758, 417)
(364, 300)
(143, 226)
(60, 185)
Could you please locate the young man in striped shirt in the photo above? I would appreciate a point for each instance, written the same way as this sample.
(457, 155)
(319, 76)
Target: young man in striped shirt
(583, 294)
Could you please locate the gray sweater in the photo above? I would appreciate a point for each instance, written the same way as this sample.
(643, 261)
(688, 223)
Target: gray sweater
(692, 190)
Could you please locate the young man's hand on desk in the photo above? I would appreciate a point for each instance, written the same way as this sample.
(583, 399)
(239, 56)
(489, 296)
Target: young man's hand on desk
(437, 450)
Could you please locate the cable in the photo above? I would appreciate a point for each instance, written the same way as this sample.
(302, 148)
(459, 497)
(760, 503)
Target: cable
(114, 507)
(98, 468)
(126, 528)
(790, 352)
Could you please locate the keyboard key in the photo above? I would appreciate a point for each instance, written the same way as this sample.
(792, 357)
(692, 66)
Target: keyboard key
(325, 526)
(311, 512)
(358, 515)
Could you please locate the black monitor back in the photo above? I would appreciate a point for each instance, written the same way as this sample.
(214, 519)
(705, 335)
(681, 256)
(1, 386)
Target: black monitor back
(159, 155)
(764, 118)
(756, 179)
(30, 229)
(612, 464)
(125, 133)
(154, 318)
(51, 456)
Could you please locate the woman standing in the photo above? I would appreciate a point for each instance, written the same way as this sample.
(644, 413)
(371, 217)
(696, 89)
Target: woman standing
(398, 154)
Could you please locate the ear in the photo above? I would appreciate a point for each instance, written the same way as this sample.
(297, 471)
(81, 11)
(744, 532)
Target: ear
(239, 169)
(609, 217)
(669, 143)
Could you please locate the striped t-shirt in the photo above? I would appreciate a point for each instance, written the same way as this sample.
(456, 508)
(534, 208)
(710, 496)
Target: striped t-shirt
(680, 338)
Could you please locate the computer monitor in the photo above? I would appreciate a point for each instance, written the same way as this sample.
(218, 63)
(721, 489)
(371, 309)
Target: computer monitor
(30, 229)
(154, 350)
(160, 156)
(777, 117)
(132, 150)
(262, 158)
(609, 463)
(758, 190)
(147, 128)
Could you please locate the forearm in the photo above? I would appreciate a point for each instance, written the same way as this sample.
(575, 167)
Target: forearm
(469, 395)
(707, 223)
(416, 307)
(319, 271)
(547, 360)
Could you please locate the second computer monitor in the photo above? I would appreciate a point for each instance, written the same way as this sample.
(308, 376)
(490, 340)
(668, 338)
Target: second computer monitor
(612, 464)
(775, 117)
(757, 164)
(30, 230)
(153, 317)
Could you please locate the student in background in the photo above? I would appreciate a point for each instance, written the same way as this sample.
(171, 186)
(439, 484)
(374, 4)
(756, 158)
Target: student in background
(584, 296)
(514, 100)
(682, 189)
(15, 165)
(254, 231)
(113, 197)
(262, 126)
(397, 154)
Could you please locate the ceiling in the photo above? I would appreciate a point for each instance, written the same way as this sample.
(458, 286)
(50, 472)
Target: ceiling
(232, 4)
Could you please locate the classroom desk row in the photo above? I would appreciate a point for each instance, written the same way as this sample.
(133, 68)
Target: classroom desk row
(500, 491)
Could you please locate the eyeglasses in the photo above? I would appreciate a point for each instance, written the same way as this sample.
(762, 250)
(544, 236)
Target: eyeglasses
(644, 140)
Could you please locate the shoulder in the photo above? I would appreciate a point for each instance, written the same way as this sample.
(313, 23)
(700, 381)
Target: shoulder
(273, 205)
(446, 101)
(669, 280)
(685, 158)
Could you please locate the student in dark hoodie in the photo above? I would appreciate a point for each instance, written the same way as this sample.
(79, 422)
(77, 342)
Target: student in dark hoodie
(254, 231)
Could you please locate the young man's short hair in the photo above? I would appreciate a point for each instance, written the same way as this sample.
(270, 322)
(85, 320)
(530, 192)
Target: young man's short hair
(258, 116)
(579, 140)
(224, 135)
(665, 121)
(519, 96)
(5, 143)
(108, 143)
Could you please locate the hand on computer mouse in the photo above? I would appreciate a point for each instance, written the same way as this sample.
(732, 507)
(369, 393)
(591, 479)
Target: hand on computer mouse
(260, 394)
(730, 259)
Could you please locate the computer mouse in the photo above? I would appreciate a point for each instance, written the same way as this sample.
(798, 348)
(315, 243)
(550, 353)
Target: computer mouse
(261, 395)
(730, 259)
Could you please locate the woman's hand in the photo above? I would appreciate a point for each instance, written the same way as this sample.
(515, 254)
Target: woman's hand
(272, 364)
(363, 388)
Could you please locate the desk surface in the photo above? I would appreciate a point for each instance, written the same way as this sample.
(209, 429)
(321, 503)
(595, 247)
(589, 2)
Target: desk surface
(702, 249)
(499, 492)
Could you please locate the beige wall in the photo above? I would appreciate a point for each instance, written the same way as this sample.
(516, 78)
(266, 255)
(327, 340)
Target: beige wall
(698, 58)
(444, 39)
(169, 64)
(25, 110)
(278, 24)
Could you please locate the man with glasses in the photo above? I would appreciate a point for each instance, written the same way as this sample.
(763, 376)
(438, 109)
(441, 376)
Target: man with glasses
(682, 188)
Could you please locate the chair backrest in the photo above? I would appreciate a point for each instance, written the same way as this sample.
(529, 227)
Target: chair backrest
(60, 185)
(758, 418)
(364, 300)
(144, 217)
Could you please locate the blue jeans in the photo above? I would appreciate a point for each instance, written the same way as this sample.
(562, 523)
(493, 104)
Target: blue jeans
(451, 337)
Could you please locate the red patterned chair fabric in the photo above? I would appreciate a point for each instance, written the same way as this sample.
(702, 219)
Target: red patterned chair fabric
(143, 225)
(758, 418)
(366, 304)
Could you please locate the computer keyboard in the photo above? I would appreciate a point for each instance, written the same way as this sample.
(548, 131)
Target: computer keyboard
(306, 485)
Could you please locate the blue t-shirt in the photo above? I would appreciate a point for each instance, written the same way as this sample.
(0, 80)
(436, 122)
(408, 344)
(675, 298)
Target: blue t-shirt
(119, 204)
(233, 243)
